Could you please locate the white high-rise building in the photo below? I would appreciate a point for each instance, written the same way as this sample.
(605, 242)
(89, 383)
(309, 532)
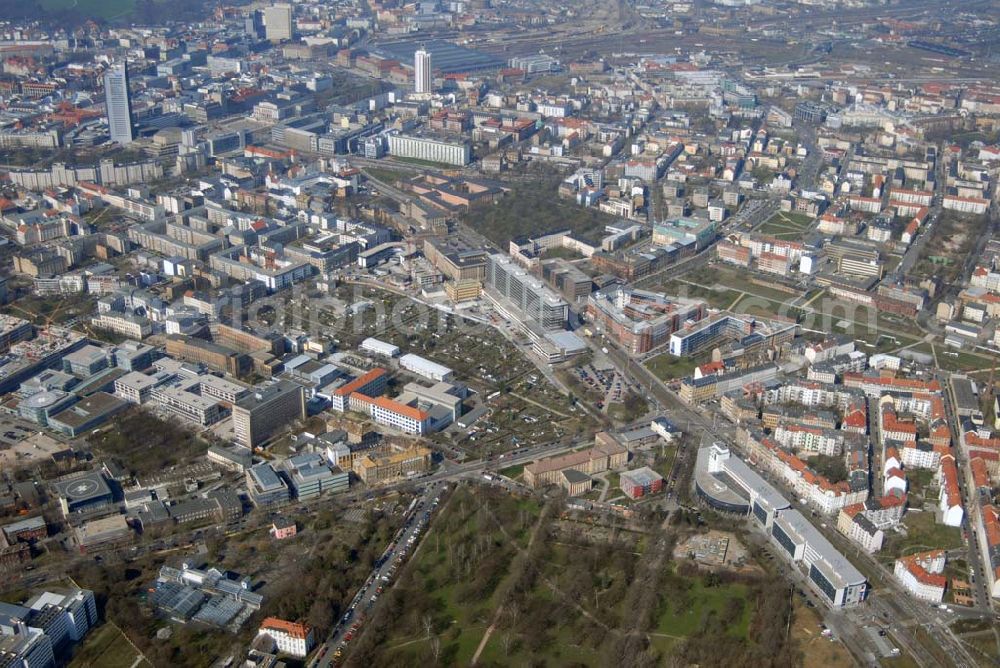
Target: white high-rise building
(422, 80)
(119, 104)
(278, 23)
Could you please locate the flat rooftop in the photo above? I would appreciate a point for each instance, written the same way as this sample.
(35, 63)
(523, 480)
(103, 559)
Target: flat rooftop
(446, 57)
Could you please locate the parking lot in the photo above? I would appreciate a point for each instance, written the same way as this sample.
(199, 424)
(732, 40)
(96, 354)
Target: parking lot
(21, 444)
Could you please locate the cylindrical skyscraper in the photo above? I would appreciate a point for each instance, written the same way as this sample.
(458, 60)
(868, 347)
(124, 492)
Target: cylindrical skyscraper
(422, 79)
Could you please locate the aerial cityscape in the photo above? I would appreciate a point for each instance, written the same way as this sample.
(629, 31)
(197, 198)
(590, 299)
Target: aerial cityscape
(499, 333)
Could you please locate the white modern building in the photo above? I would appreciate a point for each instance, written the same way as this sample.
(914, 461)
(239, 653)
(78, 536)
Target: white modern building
(278, 24)
(431, 149)
(423, 81)
(119, 104)
(376, 347)
(425, 367)
(827, 569)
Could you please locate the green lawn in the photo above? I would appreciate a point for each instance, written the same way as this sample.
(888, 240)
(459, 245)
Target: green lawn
(665, 461)
(106, 646)
(923, 534)
(424, 163)
(668, 367)
(384, 175)
(919, 482)
(950, 359)
(105, 9)
(685, 616)
(786, 225)
(512, 471)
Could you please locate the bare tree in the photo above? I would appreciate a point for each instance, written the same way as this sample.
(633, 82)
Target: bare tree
(436, 648)
(507, 640)
(428, 623)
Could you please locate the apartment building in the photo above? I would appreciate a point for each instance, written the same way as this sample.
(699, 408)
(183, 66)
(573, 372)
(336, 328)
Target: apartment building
(853, 523)
(922, 575)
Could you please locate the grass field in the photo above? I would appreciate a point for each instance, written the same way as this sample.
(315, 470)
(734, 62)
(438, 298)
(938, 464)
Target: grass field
(953, 360)
(424, 163)
(668, 367)
(389, 176)
(786, 225)
(105, 9)
(686, 615)
(106, 647)
(923, 534)
(512, 471)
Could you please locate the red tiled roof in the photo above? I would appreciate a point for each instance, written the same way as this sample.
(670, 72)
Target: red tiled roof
(291, 628)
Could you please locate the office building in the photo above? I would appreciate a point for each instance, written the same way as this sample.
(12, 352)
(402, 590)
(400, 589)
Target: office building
(310, 475)
(530, 298)
(76, 607)
(640, 482)
(422, 76)
(119, 104)
(135, 356)
(87, 414)
(278, 24)
(235, 458)
(432, 149)
(26, 646)
(726, 483)
(213, 355)
(830, 573)
(107, 533)
(376, 347)
(40, 407)
(684, 230)
(25, 531)
(392, 413)
(373, 468)
(265, 486)
(746, 332)
(639, 320)
(258, 416)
